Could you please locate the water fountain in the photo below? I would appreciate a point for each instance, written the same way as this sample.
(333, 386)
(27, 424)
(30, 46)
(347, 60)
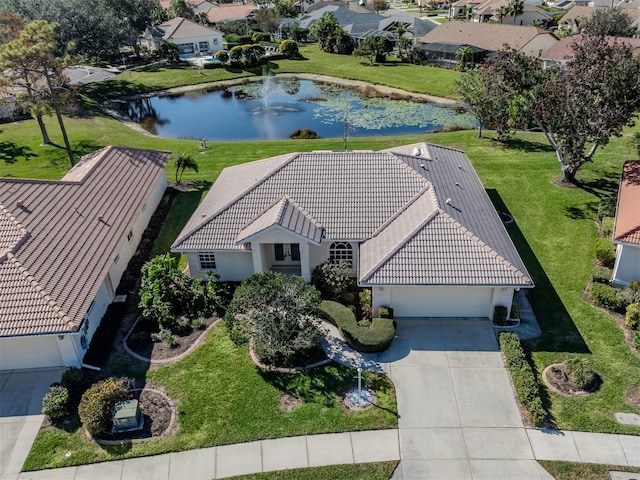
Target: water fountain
(267, 91)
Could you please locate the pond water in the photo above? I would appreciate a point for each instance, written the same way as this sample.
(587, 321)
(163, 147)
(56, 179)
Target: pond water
(275, 107)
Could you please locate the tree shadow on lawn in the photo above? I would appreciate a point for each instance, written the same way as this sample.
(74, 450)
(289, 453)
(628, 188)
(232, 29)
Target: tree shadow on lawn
(559, 333)
(604, 186)
(10, 152)
(523, 145)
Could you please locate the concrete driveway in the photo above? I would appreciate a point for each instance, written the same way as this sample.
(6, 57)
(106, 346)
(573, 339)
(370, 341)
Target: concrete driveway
(21, 393)
(458, 416)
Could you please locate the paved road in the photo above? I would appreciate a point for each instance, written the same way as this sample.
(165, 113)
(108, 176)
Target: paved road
(82, 75)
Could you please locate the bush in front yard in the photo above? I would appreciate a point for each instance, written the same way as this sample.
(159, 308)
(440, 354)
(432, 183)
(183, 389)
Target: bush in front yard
(98, 402)
(606, 297)
(366, 308)
(500, 313)
(385, 312)
(375, 336)
(581, 372)
(606, 227)
(636, 339)
(601, 274)
(331, 279)
(632, 317)
(55, 403)
(524, 380)
(605, 252)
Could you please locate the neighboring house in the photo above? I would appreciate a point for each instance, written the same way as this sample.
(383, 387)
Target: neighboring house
(414, 223)
(360, 22)
(575, 18)
(487, 10)
(562, 51)
(64, 246)
(441, 43)
(229, 12)
(191, 38)
(626, 234)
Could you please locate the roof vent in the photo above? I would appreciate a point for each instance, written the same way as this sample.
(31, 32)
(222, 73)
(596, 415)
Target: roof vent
(417, 152)
(460, 167)
(422, 166)
(19, 204)
(101, 218)
(203, 215)
(457, 184)
(448, 201)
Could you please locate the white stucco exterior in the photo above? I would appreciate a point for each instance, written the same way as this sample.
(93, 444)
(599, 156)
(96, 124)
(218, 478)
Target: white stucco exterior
(627, 266)
(444, 301)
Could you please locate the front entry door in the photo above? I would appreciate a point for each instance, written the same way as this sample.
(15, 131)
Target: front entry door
(287, 253)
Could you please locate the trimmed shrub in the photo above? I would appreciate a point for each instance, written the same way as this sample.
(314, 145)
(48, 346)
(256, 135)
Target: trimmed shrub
(606, 227)
(385, 312)
(55, 403)
(632, 317)
(260, 37)
(365, 304)
(629, 294)
(76, 382)
(165, 336)
(524, 380)
(97, 404)
(374, 337)
(636, 339)
(607, 207)
(289, 48)
(605, 252)
(222, 55)
(500, 315)
(516, 312)
(581, 372)
(331, 279)
(601, 274)
(605, 296)
(304, 134)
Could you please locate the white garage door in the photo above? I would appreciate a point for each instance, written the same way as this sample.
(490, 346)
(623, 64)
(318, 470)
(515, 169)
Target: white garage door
(441, 301)
(29, 352)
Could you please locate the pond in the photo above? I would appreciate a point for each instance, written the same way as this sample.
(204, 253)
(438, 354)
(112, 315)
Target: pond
(275, 107)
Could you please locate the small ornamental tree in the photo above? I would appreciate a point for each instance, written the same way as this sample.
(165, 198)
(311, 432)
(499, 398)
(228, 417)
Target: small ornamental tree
(167, 294)
(330, 35)
(278, 313)
(332, 278)
(289, 48)
(55, 403)
(253, 53)
(236, 54)
(222, 55)
(374, 48)
(98, 402)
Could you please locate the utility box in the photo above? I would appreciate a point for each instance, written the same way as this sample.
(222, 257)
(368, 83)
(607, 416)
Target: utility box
(127, 417)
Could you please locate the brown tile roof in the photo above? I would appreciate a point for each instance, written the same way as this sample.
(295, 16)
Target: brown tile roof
(579, 12)
(628, 212)
(380, 198)
(59, 238)
(487, 36)
(229, 11)
(563, 49)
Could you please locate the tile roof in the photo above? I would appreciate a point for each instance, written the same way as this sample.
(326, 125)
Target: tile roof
(66, 235)
(228, 11)
(563, 49)
(396, 201)
(578, 12)
(287, 214)
(627, 227)
(180, 28)
(488, 36)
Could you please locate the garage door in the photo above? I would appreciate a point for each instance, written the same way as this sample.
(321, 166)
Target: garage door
(29, 352)
(441, 301)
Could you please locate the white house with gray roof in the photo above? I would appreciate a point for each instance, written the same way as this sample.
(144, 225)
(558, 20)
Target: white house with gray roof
(64, 246)
(414, 222)
(190, 37)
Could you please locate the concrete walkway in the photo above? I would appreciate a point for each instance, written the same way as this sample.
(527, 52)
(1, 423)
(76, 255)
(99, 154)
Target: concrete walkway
(457, 420)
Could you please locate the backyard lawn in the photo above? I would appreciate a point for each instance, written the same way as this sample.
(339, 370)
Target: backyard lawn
(222, 398)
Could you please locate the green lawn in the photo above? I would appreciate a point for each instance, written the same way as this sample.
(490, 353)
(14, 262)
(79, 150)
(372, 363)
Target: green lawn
(365, 471)
(583, 471)
(415, 78)
(222, 398)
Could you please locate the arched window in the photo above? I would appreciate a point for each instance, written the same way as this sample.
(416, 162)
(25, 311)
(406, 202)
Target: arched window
(341, 251)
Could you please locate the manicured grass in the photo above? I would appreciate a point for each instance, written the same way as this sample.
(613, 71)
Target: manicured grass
(365, 471)
(222, 398)
(416, 78)
(583, 471)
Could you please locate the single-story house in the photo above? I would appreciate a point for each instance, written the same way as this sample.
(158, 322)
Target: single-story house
(224, 12)
(414, 223)
(562, 51)
(487, 10)
(577, 15)
(191, 38)
(64, 246)
(487, 37)
(626, 234)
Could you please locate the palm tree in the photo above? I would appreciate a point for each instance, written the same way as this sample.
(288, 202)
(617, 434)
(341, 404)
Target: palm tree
(400, 30)
(183, 162)
(501, 12)
(516, 7)
(464, 54)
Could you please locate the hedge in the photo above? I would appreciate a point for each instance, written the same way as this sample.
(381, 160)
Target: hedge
(374, 337)
(524, 380)
(607, 297)
(605, 251)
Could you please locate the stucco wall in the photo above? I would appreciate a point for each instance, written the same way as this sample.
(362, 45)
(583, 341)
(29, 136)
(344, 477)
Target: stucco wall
(627, 266)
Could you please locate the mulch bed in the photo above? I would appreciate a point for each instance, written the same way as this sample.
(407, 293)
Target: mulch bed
(140, 341)
(558, 379)
(156, 412)
(633, 396)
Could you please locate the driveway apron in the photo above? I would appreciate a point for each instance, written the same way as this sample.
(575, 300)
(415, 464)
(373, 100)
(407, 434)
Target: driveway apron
(458, 418)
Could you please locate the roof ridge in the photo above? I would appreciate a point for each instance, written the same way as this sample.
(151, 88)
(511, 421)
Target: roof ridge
(401, 244)
(241, 195)
(411, 171)
(405, 206)
(304, 211)
(40, 291)
(486, 247)
(22, 231)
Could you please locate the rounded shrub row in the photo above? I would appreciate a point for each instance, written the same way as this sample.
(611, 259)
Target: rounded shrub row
(376, 336)
(524, 380)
